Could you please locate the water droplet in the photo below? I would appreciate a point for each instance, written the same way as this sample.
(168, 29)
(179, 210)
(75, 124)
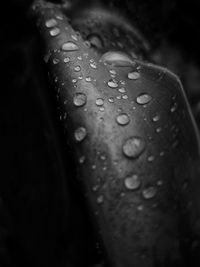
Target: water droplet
(174, 107)
(66, 59)
(50, 23)
(150, 158)
(149, 192)
(123, 119)
(111, 99)
(140, 207)
(99, 101)
(133, 147)
(93, 65)
(56, 61)
(143, 99)
(113, 72)
(88, 79)
(95, 41)
(69, 46)
(79, 99)
(156, 118)
(132, 182)
(118, 59)
(133, 75)
(55, 31)
(74, 37)
(82, 159)
(125, 97)
(101, 109)
(100, 199)
(77, 68)
(112, 83)
(80, 134)
(122, 90)
(159, 129)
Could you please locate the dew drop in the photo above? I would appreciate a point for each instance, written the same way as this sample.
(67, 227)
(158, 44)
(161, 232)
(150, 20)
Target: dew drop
(156, 118)
(77, 68)
(50, 23)
(150, 158)
(79, 99)
(69, 46)
(80, 134)
(88, 79)
(143, 99)
(112, 83)
(149, 192)
(66, 60)
(133, 147)
(123, 119)
(125, 97)
(132, 182)
(118, 59)
(113, 72)
(159, 129)
(99, 102)
(133, 75)
(122, 90)
(55, 31)
(93, 65)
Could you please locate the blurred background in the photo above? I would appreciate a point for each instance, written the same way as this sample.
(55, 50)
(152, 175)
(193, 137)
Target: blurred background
(43, 219)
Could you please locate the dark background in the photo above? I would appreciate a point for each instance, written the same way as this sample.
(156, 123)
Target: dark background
(43, 219)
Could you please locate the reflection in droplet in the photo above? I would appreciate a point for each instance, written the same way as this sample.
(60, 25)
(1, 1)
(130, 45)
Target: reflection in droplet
(69, 46)
(80, 134)
(132, 182)
(133, 147)
(99, 102)
(55, 31)
(133, 75)
(79, 99)
(149, 192)
(112, 83)
(50, 23)
(117, 58)
(123, 119)
(143, 99)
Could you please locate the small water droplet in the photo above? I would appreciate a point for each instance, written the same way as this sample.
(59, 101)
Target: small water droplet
(117, 58)
(79, 99)
(132, 182)
(123, 119)
(82, 159)
(88, 79)
(56, 61)
(77, 68)
(162, 153)
(100, 199)
(149, 192)
(174, 107)
(101, 109)
(122, 90)
(50, 23)
(112, 83)
(159, 129)
(95, 41)
(156, 118)
(150, 158)
(140, 207)
(133, 75)
(74, 37)
(69, 46)
(113, 72)
(133, 147)
(99, 102)
(159, 182)
(80, 134)
(143, 99)
(111, 99)
(125, 97)
(93, 65)
(55, 31)
(66, 59)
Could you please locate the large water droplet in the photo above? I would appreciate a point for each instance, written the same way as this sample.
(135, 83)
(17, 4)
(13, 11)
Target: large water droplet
(123, 119)
(143, 99)
(117, 58)
(133, 75)
(80, 134)
(69, 46)
(50, 23)
(79, 99)
(133, 147)
(112, 83)
(149, 192)
(132, 182)
(99, 102)
(55, 31)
